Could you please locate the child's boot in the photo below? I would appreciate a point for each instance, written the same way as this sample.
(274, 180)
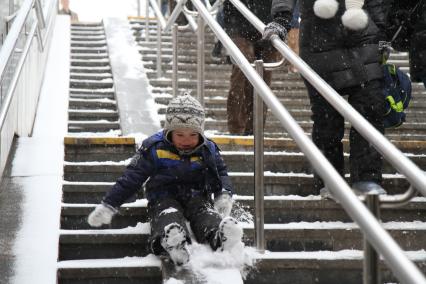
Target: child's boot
(174, 242)
(230, 234)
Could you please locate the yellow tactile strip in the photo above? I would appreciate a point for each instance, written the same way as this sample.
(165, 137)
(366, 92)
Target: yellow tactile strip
(99, 140)
(406, 146)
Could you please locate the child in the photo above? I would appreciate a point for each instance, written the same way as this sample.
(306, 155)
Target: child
(182, 169)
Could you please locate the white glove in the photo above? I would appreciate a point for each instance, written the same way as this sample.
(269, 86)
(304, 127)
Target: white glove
(223, 204)
(101, 215)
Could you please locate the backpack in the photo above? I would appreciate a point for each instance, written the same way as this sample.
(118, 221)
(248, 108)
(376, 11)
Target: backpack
(397, 93)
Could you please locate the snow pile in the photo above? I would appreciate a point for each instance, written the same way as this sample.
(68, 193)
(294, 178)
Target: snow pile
(217, 267)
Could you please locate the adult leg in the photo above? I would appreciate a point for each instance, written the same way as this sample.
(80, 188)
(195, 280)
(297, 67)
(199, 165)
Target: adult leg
(240, 88)
(203, 218)
(327, 132)
(365, 162)
(162, 214)
(267, 53)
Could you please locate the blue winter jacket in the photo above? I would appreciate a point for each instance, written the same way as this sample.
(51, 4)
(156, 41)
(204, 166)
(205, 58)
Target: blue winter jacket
(167, 173)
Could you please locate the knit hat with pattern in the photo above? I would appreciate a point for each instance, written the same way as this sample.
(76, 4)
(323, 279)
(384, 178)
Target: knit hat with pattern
(185, 112)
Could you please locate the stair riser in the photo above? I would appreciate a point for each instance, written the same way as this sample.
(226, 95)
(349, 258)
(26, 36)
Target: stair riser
(98, 153)
(120, 275)
(241, 186)
(92, 105)
(136, 245)
(76, 127)
(93, 116)
(300, 271)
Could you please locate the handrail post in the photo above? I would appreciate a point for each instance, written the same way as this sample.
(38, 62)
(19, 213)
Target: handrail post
(159, 61)
(39, 12)
(258, 164)
(138, 5)
(175, 60)
(147, 21)
(371, 270)
(200, 60)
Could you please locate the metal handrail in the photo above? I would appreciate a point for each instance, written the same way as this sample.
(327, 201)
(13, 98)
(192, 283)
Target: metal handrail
(403, 268)
(10, 45)
(11, 40)
(403, 164)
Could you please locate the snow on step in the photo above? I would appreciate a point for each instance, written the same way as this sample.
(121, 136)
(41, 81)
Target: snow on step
(150, 260)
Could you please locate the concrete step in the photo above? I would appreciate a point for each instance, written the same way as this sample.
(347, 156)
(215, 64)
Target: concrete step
(303, 236)
(93, 126)
(93, 96)
(86, 91)
(92, 104)
(80, 76)
(282, 162)
(417, 131)
(89, 56)
(118, 271)
(297, 100)
(300, 113)
(243, 184)
(87, 37)
(88, 44)
(278, 210)
(85, 70)
(94, 84)
(91, 50)
(94, 114)
(99, 149)
(214, 84)
(103, 244)
(90, 63)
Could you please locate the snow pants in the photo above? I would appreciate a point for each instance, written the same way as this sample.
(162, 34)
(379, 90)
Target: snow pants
(198, 211)
(240, 97)
(364, 161)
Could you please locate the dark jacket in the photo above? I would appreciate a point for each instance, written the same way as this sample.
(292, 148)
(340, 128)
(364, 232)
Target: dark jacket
(342, 57)
(168, 173)
(410, 15)
(237, 25)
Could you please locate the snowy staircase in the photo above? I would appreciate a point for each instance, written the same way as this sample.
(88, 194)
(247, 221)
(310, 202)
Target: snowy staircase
(92, 104)
(95, 156)
(310, 240)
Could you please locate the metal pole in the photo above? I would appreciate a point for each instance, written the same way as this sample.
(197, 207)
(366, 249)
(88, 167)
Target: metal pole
(159, 61)
(138, 3)
(200, 60)
(371, 273)
(175, 60)
(258, 164)
(147, 20)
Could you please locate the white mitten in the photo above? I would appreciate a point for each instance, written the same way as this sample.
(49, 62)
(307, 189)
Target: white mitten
(101, 215)
(355, 18)
(326, 9)
(223, 204)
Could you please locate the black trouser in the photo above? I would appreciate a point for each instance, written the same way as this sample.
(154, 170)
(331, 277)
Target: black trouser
(204, 220)
(365, 162)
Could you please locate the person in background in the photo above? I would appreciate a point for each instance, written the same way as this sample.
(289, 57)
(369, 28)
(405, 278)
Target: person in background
(340, 41)
(407, 32)
(293, 34)
(182, 170)
(65, 4)
(249, 41)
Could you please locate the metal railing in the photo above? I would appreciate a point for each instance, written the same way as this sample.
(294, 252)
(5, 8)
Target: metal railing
(22, 65)
(398, 262)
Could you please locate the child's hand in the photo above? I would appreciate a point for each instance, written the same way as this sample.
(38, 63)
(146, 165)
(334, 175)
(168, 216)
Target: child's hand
(223, 204)
(101, 215)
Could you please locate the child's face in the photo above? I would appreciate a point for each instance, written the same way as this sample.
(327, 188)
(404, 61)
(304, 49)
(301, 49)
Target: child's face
(185, 138)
